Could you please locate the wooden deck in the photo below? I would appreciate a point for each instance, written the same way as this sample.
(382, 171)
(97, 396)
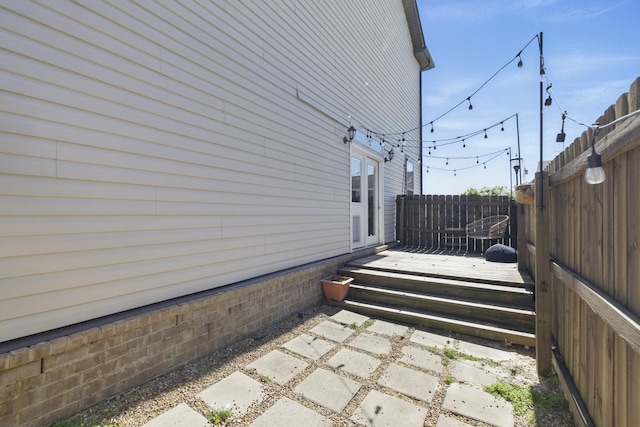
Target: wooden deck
(468, 267)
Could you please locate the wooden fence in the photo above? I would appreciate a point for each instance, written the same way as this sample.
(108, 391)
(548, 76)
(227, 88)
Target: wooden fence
(438, 222)
(583, 248)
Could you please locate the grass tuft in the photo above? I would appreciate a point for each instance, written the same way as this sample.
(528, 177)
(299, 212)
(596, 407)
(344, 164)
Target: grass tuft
(219, 416)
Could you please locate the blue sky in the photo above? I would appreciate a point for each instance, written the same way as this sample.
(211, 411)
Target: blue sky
(591, 52)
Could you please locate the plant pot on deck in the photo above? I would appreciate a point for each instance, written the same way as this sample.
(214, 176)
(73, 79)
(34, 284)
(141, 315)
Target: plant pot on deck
(336, 287)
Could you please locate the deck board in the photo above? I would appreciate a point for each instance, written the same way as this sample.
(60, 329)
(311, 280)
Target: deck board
(464, 267)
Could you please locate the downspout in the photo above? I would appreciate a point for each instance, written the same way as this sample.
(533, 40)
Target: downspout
(420, 121)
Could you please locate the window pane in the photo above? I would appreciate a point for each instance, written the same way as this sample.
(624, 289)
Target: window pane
(371, 200)
(409, 177)
(355, 180)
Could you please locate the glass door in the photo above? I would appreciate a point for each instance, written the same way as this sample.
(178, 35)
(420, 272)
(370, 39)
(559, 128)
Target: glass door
(365, 200)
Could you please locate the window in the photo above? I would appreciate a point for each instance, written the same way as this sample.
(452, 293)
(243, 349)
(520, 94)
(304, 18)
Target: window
(408, 177)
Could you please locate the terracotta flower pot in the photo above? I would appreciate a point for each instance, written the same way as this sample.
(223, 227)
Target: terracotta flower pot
(336, 287)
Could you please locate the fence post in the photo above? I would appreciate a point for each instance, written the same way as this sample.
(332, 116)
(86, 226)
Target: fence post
(543, 275)
(521, 238)
(400, 219)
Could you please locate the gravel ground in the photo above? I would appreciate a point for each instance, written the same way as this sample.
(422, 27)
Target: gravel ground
(143, 403)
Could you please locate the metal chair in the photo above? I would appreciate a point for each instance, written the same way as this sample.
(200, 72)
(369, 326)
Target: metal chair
(490, 227)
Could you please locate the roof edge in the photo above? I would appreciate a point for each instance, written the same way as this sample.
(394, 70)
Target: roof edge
(420, 50)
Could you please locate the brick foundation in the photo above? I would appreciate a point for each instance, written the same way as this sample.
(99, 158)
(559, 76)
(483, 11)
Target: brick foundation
(54, 379)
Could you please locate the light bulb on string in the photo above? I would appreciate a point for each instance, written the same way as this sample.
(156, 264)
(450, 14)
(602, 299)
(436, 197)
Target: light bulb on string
(455, 173)
(502, 126)
(431, 127)
(470, 105)
(464, 144)
(485, 165)
(447, 164)
(485, 134)
(477, 160)
(520, 59)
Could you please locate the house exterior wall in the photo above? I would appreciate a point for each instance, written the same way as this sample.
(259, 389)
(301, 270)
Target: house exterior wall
(151, 150)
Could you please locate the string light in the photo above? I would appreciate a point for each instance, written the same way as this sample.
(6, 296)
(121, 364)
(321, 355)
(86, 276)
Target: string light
(468, 98)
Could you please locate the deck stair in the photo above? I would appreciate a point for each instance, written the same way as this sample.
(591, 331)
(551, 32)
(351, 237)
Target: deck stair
(492, 308)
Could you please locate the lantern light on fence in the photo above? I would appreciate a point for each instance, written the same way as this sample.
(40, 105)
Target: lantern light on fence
(595, 173)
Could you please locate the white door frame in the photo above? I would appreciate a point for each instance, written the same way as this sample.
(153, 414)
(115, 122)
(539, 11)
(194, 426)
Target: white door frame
(359, 211)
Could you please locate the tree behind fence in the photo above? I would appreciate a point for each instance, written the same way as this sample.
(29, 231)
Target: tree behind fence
(428, 221)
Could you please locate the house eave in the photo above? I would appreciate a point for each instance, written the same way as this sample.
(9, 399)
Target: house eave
(420, 50)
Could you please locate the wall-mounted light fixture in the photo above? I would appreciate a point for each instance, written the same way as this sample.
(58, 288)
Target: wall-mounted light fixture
(351, 133)
(595, 173)
(389, 156)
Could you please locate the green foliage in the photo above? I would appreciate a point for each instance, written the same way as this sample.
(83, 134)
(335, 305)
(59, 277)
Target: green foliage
(369, 322)
(520, 397)
(219, 416)
(265, 379)
(523, 398)
(354, 326)
(449, 379)
(499, 190)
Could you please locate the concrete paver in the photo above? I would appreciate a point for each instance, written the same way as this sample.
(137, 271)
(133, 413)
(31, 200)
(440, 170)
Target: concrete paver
(333, 331)
(432, 340)
(308, 346)
(328, 389)
(408, 381)
(286, 412)
(371, 343)
(354, 362)
(421, 358)
(278, 366)
(387, 328)
(236, 392)
(479, 405)
(444, 421)
(178, 416)
(381, 410)
(349, 317)
(484, 352)
(474, 372)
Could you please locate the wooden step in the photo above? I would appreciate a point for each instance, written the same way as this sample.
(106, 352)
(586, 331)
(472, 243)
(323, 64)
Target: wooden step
(507, 296)
(460, 308)
(446, 323)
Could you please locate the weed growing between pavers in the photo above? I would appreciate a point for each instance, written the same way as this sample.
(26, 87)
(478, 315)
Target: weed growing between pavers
(354, 326)
(219, 416)
(265, 379)
(449, 380)
(369, 322)
(524, 399)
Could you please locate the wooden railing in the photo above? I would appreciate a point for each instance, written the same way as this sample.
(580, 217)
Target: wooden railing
(582, 244)
(438, 222)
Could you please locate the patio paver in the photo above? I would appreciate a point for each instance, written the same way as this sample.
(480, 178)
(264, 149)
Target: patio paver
(236, 392)
(308, 346)
(286, 412)
(354, 362)
(371, 343)
(421, 358)
(484, 352)
(381, 410)
(348, 317)
(429, 339)
(408, 381)
(479, 405)
(278, 366)
(333, 331)
(474, 372)
(180, 415)
(444, 421)
(328, 389)
(387, 328)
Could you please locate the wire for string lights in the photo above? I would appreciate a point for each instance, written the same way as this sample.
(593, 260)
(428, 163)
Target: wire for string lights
(466, 157)
(466, 99)
(475, 165)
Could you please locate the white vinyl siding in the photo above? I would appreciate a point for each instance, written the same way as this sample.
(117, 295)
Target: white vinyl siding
(154, 149)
